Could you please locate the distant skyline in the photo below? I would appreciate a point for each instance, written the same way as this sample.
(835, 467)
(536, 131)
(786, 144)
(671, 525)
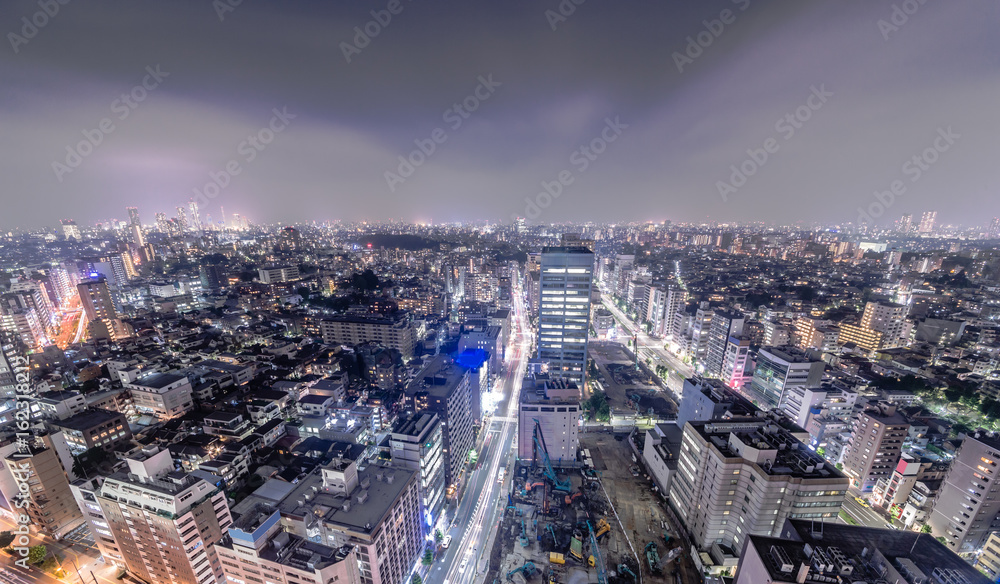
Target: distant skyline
(290, 114)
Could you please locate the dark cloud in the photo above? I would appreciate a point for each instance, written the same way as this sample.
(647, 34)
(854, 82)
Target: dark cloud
(557, 87)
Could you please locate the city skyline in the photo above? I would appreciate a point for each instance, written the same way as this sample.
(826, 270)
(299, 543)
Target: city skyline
(315, 118)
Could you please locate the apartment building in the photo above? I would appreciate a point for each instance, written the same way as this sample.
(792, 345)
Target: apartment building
(164, 523)
(778, 370)
(376, 509)
(50, 503)
(416, 442)
(724, 324)
(257, 549)
(443, 387)
(877, 436)
(967, 508)
(745, 476)
(162, 395)
(394, 332)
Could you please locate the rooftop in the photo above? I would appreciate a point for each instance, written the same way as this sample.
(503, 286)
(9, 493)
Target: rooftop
(87, 419)
(767, 443)
(857, 554)
(438, 378)
(158, 380)
(412, 425)
(363, 511)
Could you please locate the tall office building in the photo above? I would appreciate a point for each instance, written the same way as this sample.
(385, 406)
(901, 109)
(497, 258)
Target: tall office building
(564, 311)
(135, 228)
(994, 230)
(905, 223)
(133, 216)
(967, 510)
(777, 370)
(876, 443)
(744, 476)
(195, 215)
(927, 221)
(182, 220)
(163, 523)
(70, 229)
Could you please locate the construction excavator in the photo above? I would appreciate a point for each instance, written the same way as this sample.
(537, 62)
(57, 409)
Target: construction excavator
(528, 569)
(573, 497)
(603, 527)
(626, 571)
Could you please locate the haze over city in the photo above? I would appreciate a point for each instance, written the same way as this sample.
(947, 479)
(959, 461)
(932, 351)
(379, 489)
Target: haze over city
(559, 70)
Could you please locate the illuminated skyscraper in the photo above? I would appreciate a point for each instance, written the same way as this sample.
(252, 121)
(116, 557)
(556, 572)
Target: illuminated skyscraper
(133, 216)
(927, 222)
(564, 310)
(195, 216)
(182, 221)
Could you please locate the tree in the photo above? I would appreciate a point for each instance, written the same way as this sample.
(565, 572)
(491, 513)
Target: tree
(428, 558)
(6, 538)
(925, 528)
(37, 553)
(416, 579)
(438, 536)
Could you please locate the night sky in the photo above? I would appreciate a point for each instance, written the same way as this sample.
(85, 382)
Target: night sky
(869, 84)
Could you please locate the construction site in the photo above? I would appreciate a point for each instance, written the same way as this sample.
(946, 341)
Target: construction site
(560, 528)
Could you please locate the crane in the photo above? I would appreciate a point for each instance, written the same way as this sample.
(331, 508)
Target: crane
(595, 552)
(538, 441)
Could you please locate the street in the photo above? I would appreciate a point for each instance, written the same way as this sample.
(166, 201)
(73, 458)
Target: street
(864, 515)
(479, 512)
(653, 349)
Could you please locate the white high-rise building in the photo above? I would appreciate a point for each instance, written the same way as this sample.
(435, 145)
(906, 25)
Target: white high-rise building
(564, 311)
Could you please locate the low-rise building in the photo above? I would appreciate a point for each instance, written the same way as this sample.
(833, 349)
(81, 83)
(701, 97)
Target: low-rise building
(94, 428)
(163, 395)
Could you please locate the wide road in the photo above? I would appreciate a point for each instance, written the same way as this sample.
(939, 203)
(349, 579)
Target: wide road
(479, 513)
(650, 348)
(864, 515)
